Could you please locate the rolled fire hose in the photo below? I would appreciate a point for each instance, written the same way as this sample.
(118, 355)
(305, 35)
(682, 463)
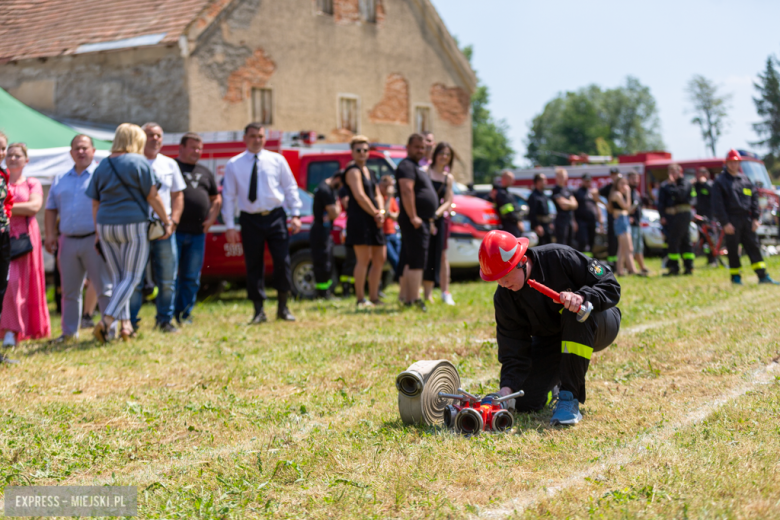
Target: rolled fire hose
(418, 391)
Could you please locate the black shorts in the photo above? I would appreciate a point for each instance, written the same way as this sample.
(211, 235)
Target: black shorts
(414, 245)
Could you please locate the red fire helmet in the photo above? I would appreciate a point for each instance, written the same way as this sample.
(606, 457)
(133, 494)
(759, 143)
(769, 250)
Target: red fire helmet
(733, 155)
(499, 253)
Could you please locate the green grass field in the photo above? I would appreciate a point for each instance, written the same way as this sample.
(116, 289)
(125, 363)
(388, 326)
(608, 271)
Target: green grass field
(300, 420)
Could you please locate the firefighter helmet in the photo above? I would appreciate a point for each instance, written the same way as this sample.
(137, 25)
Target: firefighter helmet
(499, 253)
(733, 155)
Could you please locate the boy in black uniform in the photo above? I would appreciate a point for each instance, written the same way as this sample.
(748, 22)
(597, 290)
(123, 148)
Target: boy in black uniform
(541, 343)
(612, 245)
(325, 209)
(539, 210)
(674, 206)
(587, 215)
(346, 277)
(565, 203)
(703, 189)
(505, 204)
(735, 205)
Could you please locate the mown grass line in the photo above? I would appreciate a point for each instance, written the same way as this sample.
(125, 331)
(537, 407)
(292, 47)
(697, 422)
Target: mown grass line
(640, 448)
(724, 466)
(231, 421)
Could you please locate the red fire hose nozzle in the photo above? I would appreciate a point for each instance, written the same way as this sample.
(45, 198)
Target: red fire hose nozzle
(582, 313)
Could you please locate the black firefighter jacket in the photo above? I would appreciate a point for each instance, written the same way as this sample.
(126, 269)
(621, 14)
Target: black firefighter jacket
(734, 196)
(672, 194)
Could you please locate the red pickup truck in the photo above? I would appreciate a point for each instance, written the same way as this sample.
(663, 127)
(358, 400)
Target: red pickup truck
(472, 217)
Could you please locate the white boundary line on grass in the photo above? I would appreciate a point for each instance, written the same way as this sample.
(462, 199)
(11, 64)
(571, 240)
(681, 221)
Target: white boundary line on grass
(623, 456)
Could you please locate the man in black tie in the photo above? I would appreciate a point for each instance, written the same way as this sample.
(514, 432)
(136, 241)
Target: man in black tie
(260, 184)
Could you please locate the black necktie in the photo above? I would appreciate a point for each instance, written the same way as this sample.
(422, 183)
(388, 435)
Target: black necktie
(253, 181)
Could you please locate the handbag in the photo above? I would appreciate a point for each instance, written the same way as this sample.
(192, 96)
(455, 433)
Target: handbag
(21, 245)
(156, 227)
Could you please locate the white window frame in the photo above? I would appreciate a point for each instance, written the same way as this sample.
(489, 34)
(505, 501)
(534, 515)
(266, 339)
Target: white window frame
(368, 10)
(427, 107)
(325, 7)
(258, 117)
(356, 98)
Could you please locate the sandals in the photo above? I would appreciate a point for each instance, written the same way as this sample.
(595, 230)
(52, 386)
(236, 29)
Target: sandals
(101, 332)
(127, 334)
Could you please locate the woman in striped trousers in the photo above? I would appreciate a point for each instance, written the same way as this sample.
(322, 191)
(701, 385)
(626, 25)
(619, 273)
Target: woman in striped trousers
(123, 188)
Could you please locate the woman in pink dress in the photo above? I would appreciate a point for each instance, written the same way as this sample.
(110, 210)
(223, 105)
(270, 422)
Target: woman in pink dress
(25, 311)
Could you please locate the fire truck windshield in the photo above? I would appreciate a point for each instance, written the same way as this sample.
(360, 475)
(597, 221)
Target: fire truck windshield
(757, 173)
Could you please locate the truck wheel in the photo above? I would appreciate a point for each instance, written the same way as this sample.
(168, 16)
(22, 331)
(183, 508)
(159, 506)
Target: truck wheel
(302, 267)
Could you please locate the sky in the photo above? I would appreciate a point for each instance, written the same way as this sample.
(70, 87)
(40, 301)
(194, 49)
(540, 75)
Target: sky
(527, 52)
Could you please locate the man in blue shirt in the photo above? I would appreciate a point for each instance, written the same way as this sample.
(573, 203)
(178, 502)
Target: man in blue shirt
(75, 244)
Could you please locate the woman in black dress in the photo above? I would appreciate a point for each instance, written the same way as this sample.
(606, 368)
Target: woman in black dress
(364, 222)
(438, 268)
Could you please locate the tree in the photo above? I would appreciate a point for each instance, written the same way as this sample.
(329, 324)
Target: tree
(710, 107)
(595, 122)
(768, 107)
(491, 148)
(632, 117)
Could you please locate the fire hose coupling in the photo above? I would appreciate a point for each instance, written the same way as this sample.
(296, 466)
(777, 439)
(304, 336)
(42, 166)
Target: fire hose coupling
(472, 414)
(583, 313)
(410, 383)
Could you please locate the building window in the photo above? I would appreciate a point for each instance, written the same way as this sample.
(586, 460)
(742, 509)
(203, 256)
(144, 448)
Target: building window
(348, 113)
(325, 6)
(422, 119)
(262, 106)
(368, 10)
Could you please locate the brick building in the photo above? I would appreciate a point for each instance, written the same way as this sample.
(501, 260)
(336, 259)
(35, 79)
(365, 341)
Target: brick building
(382, 68)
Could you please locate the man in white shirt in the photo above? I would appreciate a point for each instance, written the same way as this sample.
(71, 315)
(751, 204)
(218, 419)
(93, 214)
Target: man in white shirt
(162, 253)
(260, 185)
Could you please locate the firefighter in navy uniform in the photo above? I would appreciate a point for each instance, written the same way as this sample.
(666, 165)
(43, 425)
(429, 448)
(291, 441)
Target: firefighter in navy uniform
(703, 189)
(541, 344)
(587, 215)
(675, 201)
(325, 209)
(565, 204)
(539, 210)
(735, 205)
(505, 204)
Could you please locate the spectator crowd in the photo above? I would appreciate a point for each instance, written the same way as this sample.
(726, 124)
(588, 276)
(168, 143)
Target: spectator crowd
(108, 223)
(135, 223)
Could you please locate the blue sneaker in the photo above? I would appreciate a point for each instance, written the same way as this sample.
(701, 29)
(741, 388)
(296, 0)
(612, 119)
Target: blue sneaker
(567, 410)
(768, 280)
(736, 279)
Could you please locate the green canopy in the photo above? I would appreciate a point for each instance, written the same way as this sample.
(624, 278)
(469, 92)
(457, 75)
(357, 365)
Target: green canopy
(23, 124)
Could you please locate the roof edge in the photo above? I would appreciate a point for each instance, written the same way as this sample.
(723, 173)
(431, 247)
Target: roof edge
(205, 20)
(448, 43)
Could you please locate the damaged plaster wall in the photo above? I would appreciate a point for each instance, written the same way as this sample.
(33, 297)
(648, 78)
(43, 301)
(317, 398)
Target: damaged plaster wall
(452, 103)
(109, 88)
(311, 59)
(394, 105)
